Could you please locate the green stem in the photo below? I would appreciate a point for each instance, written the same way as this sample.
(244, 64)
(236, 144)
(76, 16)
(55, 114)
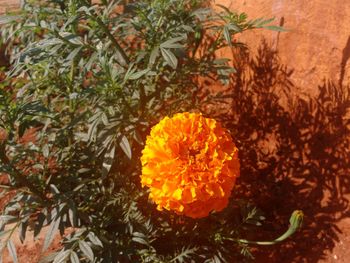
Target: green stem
(99, 21)
(11, 232)
(111, 37)
(295, 221)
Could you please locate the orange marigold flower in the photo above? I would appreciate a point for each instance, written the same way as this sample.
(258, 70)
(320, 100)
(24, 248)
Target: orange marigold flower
(190, 165)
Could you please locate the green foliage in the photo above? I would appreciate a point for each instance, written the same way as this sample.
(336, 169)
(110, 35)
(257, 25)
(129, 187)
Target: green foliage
(88, 81)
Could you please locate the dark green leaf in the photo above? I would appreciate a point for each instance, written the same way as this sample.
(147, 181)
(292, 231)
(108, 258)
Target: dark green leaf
(154, 55)
(23, 230)
(172, 43)
(169, 57)
(62, 256)
(8, 19)
(49, 258)
(275, 28)
(74, 257)
(5, 232)
(94, 239)
(125, 146)
(51, 233)
(138, 74)
(234, 27)
(86, 249)
(45, 150)
(140, 240)
(12, 250)
(227, 35)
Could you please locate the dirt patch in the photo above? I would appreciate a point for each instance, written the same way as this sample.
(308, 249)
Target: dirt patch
(8, 5)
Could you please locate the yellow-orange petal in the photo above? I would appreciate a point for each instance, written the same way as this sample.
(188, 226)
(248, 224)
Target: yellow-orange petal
(190, 165)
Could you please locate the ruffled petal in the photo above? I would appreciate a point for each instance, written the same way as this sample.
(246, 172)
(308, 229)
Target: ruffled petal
(190, 165)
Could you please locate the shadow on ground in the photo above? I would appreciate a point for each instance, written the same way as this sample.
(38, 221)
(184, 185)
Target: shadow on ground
(294, 152)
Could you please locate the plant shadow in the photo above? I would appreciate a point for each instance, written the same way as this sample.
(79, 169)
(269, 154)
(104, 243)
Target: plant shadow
(294, 152)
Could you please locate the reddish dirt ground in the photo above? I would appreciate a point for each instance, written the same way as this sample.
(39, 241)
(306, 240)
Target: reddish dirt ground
(314, 54)
(296, 137)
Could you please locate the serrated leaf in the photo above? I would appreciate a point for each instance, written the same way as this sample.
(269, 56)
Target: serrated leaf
(72, 215)
(86, 249)
(8, 19)
(5, 219)
(108, 159)
(125, 146)
(49, 258)
(264, 22)
(83, 170)
(23, 230)
(234, 27)
(94, 239)
(138, 74)
(39, 224)
(74, 257)
(12, 250)
(188, 28)
(91, 60)
(62, 256)
(184, 255)
(45, 150)
(54, 189)
(73, 54)
(51, 233)
(216, 259)
(48, 43)
(139, 234)
(275, 28)
(104, 119)
(227, 35)
(154, 55)
(221, 61)
(202, 13)
(169, 57)
(38, 166)
(72, 38)
(140, 240)
(172, 43)
(5, 232)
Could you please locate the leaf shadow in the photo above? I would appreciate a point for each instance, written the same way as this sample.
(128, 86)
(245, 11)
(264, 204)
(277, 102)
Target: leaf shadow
(294, 152)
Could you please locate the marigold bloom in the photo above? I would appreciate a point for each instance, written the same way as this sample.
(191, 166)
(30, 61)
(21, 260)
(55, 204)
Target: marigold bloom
(190, 165)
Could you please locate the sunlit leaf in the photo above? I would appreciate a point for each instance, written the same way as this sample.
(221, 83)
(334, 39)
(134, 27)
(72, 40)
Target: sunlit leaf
(86, 249)
(125, 146)
(51, 233)
(169, 57)
(12, 250)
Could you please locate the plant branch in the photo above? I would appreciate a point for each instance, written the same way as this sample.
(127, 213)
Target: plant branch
(111, 37)
(99, 21)
(295, 221)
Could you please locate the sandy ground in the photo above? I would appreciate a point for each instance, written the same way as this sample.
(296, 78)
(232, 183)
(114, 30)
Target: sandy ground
(315, 50)
(6, 5)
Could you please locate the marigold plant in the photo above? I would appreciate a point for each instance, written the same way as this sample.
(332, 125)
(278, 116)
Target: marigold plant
(190, 164)
(87, 80)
